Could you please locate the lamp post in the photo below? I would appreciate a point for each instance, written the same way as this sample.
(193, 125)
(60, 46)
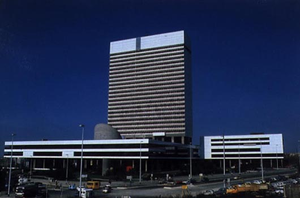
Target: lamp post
(276, 157)
(31, 167)
(224, 171)
(299, 154)
(261, 162)
(67, 168)
(140, 172)
(191, 165)
(10, 164)
(80, 179)
(239, 161)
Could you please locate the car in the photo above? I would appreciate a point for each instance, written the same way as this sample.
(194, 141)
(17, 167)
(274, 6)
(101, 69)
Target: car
(208, 192)
(72, 187)
(257, 182)
(205, 179)
(220, 192)
(26, 190)
(107, 189)
(279, 191)
(189, 181)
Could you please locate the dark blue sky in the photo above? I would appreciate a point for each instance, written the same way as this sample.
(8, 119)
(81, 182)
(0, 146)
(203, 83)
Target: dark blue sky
(54, 61)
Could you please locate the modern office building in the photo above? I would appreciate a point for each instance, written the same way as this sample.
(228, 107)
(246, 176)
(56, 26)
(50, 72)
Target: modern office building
(55, 154)
(149, 113)
(150, 87)
(243, 147)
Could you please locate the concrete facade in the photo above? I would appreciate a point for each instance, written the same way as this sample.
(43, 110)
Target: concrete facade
(150, 87)
(255, 146)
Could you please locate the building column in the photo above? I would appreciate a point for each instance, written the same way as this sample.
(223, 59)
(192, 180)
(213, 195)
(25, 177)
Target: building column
(85, 163)
(271, 163)
(132, 163)
(182, 139)
(146, 166)
(105, 166)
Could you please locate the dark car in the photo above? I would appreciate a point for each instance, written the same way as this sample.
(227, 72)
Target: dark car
(28, 190)
(107, 189)
(221, 192)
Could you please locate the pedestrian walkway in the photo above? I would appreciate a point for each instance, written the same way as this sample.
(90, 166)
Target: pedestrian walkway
(4, 195)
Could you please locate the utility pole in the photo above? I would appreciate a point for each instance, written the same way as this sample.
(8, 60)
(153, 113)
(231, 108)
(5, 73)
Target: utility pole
(224, 171)
(10, 164)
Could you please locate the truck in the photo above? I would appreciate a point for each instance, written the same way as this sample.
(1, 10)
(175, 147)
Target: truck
(246, 188)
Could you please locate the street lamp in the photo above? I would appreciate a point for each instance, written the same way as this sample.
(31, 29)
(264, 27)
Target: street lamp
(10, 164)
(239, 161)
(191, 166)
(82, 134)
(261, 162)
(67, 168)
(140, 175)
(224, 184)
(31, 166)
(276, 157)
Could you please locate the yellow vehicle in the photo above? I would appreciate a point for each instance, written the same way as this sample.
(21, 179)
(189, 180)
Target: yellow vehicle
(246, 188)
(93, 185)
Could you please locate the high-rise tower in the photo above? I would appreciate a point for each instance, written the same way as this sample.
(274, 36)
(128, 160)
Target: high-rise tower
(150, 87)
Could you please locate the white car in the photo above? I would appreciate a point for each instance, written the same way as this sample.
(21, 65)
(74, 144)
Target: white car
(279, 191)
(208, 192)
(257, 182)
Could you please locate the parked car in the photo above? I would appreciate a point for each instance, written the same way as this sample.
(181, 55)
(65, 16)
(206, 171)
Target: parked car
(27, 190)
(208, 192)
(257, 182)
(220, 192)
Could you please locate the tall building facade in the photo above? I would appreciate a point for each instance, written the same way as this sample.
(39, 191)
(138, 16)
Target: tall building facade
(150, 86)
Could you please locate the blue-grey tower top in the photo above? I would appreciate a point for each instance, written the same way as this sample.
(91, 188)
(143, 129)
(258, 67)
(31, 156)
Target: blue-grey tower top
(150, 93)
(148, 42)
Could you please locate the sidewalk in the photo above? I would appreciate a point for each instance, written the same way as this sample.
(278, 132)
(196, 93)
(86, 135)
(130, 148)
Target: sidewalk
(4, 195)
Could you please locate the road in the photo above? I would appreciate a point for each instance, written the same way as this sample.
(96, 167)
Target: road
(153, 189)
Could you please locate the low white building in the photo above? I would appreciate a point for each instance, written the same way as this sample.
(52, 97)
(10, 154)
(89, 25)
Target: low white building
(255, 146)
(46, 155)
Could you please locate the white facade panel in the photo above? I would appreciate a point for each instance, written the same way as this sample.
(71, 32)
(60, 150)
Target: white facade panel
(270, 146)
(147, 42)
(123, 46)
(95, 149)
(162, 40)
(28, 153)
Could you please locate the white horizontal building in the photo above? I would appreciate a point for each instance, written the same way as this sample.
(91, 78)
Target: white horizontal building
(254, 146)
(152, 154)
(98, 149)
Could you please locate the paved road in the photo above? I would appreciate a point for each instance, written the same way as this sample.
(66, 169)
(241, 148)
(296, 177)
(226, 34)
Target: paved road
(153, 189)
